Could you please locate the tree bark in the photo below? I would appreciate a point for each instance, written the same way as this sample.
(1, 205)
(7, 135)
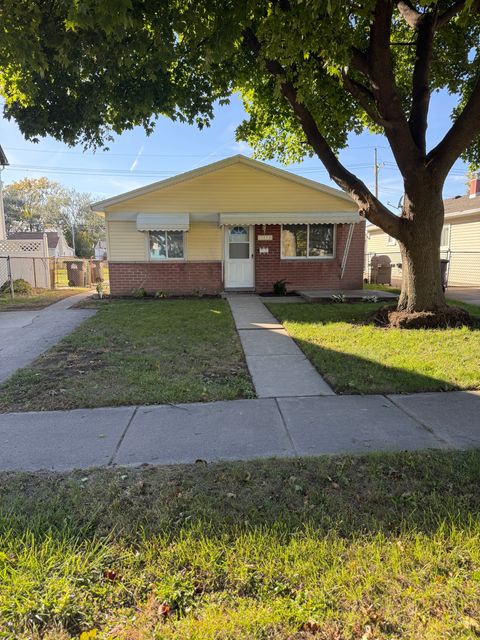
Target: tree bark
(420, 249)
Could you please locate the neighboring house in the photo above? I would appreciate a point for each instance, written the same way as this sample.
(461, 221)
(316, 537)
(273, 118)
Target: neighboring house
(237, 224)
(57, 245)
(460, 243)
(101, 250)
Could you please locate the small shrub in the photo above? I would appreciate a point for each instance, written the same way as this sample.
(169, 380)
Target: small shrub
(370, 299)
(339, 298)
(160, 294)
(139, 293)
(20, 286)
(100, 290)
(280, 287)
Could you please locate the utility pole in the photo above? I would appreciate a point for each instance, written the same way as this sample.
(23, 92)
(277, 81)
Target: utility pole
(376, 167)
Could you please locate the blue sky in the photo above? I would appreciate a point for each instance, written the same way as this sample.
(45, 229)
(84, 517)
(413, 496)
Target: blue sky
(134, 159)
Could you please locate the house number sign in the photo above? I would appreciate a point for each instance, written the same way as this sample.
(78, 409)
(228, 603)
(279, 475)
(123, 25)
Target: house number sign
(264, 238)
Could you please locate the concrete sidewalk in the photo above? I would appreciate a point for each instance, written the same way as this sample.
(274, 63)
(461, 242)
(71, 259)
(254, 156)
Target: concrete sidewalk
(238, 430)
(470, 295)
(278, 367)
(24, 335)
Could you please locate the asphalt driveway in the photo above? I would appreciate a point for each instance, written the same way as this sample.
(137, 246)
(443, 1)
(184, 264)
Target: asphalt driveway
(24, 335)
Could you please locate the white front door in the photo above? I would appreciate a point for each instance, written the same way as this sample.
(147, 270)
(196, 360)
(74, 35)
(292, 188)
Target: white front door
(239, 258)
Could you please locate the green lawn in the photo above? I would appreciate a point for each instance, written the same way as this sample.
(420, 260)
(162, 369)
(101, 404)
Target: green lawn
(358, 358)
(376, 548)
(472, 308)
(137, 352)
(37, 300)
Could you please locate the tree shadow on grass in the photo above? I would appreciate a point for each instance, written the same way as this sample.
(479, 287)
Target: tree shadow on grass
(418, 351)
(351, 374)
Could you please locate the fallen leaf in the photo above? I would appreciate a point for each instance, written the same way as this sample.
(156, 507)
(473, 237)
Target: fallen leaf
(110, 574)
(164, 609)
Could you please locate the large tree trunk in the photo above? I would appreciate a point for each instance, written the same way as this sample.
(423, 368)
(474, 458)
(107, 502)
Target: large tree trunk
(420, 250)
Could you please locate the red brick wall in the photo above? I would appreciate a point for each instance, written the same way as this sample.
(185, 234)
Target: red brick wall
(176, 278)
(309, 274)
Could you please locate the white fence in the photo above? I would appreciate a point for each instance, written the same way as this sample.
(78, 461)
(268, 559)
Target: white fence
(26, 259)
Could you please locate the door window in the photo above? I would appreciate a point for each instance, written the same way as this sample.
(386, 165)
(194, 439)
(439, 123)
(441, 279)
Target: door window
(239, 243)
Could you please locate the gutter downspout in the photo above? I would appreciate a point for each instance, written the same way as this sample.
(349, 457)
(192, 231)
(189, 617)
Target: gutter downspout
(347, 250)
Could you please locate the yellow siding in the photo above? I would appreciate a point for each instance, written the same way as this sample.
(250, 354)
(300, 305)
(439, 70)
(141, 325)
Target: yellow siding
(204, 241)
(465, 253)
(125, 243)
(236, 188)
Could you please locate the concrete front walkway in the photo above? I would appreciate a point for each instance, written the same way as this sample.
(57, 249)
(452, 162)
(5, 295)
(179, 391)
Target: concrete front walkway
(278, 367)
(238, 430)
(24, 335)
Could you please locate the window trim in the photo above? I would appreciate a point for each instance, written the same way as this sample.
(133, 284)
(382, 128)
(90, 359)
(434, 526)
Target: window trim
(167, 259)
(391, 241)
(308, 257)
(446, 247)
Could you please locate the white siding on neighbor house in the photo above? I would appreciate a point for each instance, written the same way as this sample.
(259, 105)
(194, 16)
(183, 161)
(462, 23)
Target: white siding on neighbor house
(464, 256)
(378, 243)
(203, 242)
(463, 251)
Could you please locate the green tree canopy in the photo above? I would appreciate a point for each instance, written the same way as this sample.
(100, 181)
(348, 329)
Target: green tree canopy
(309, 73)
(40, 204)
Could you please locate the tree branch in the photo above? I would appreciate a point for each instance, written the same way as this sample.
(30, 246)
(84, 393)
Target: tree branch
(408, 12)
(364, 97)
(421, 81)
(409, 156)
(462, 133)
(369, 206)
(451, 12)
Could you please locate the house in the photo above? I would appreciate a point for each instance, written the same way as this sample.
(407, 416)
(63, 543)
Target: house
(460, 243)
(236, 224)
(57, 245)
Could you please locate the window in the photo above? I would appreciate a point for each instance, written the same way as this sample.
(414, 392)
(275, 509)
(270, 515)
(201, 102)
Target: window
(239, 243)
(445, 237)
(308, 240)
(166, 245)
(391, 240)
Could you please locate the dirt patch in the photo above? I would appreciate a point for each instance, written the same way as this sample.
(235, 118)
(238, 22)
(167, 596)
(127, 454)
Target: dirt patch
(451, 317)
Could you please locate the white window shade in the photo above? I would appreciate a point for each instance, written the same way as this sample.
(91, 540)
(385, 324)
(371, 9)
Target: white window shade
(163, 222)
(324, 217)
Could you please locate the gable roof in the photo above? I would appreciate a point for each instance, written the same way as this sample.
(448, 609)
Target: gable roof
(215, 166)
(462, 204)
(459, 206)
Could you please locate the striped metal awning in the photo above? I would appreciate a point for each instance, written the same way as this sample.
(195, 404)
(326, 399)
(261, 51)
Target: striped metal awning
(324, 217)
(163, 222)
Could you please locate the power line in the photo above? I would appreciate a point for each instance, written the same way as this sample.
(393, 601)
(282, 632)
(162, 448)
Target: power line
(101, 153)
(136, 173)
